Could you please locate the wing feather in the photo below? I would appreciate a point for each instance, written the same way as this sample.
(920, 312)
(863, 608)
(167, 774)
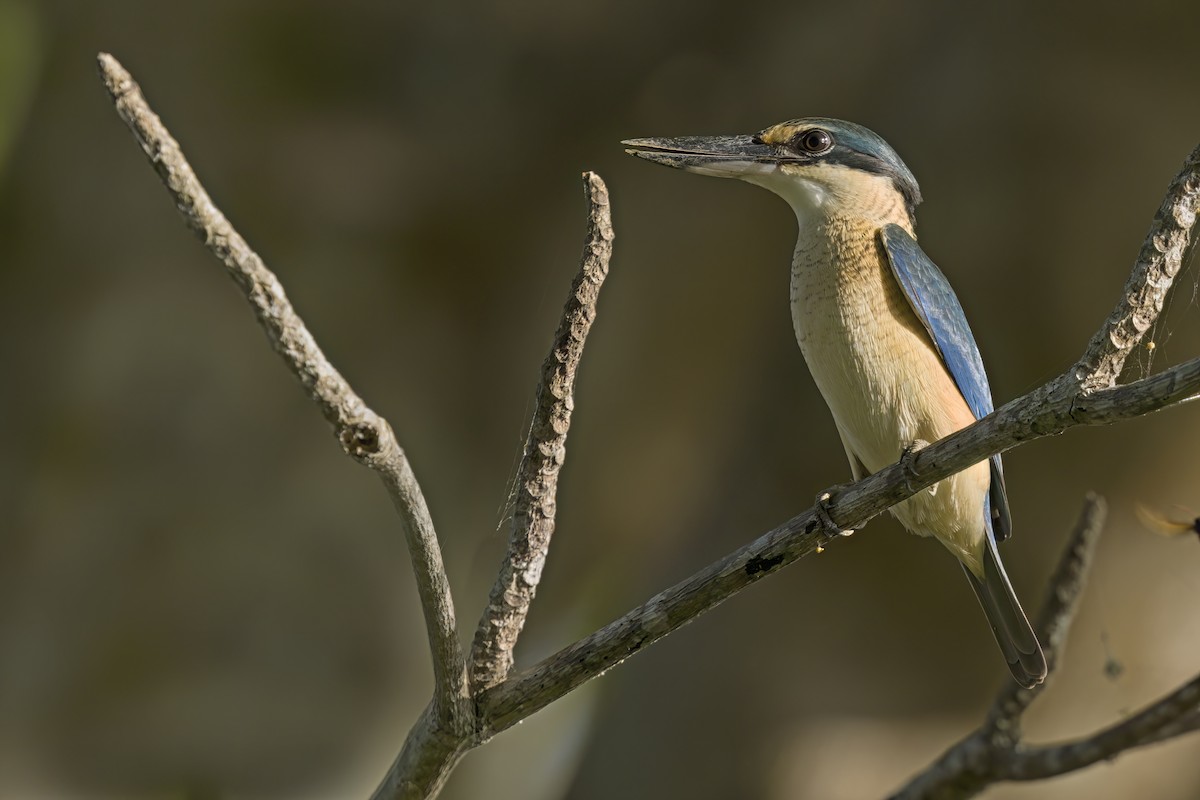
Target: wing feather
(936, 305)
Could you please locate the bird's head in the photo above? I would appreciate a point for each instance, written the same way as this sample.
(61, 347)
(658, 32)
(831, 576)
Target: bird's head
(811, 162)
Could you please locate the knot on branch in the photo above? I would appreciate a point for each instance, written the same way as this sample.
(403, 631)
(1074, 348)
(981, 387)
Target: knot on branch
(362, 439)
(762, 564)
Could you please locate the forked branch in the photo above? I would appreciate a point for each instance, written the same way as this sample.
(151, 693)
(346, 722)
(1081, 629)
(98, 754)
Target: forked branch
(364, 435)
(464, 713)
(543, 457)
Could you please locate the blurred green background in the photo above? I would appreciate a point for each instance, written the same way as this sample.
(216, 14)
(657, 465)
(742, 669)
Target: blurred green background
(199, 593)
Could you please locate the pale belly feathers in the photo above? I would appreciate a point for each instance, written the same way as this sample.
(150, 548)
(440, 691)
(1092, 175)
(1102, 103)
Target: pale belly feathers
(884, 382)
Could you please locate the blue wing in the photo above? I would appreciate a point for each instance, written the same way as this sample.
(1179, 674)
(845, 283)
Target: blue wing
(937, 307)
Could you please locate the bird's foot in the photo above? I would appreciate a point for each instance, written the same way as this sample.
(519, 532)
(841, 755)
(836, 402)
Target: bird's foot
(907, 459)
(824, 499)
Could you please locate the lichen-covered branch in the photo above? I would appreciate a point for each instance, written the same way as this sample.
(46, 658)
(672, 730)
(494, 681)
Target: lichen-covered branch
(545, 451)
(363, 434)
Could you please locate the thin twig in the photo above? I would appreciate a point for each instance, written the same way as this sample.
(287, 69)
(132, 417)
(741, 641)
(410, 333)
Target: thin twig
(363, 434)
(994, 753)
(1155, 723)
(432, 749)
(1058, 611)
(970, 764)
(1158, 263)
(1085, 395)
(980, 761)
(1188, 723)
(566, 670)
(544, 454)
(1046, 411)
(1063, 403)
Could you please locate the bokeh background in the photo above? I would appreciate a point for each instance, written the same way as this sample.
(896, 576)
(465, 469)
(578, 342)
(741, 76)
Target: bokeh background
(199, 594)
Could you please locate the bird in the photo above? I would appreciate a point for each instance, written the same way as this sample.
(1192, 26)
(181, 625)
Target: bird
(882, 332)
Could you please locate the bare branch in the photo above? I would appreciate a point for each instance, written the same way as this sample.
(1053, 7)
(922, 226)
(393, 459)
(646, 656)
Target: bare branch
(970, 765)
(433, 748)
(1062, 403)
(984, 758)
(1158, 263)
(461, 715)
(364, 435)
(994, 753)
(1058, 612)
(1171, 716)
(1046, 411)
(1188, 723)
(573, 666)
(429, 755)
(545, 452)
(851, 506)
(1070, 579)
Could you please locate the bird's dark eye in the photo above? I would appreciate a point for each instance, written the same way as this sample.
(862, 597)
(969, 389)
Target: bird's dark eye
(814, 141)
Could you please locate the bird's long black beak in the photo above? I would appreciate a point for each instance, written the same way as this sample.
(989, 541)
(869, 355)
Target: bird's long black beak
(722, 156)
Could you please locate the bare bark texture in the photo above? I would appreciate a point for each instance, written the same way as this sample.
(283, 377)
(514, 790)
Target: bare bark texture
(1161, 257)
(995, 753)
(1063, 594)
(364, 435)
(543, 457)
(472, 703)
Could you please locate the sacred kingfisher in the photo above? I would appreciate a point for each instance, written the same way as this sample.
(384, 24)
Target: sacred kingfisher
(882, 332)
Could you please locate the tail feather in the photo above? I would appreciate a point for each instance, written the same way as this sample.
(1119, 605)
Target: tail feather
(1009, 624)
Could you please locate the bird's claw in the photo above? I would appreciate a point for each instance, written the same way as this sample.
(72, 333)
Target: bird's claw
(822, 507)
(907, 459)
